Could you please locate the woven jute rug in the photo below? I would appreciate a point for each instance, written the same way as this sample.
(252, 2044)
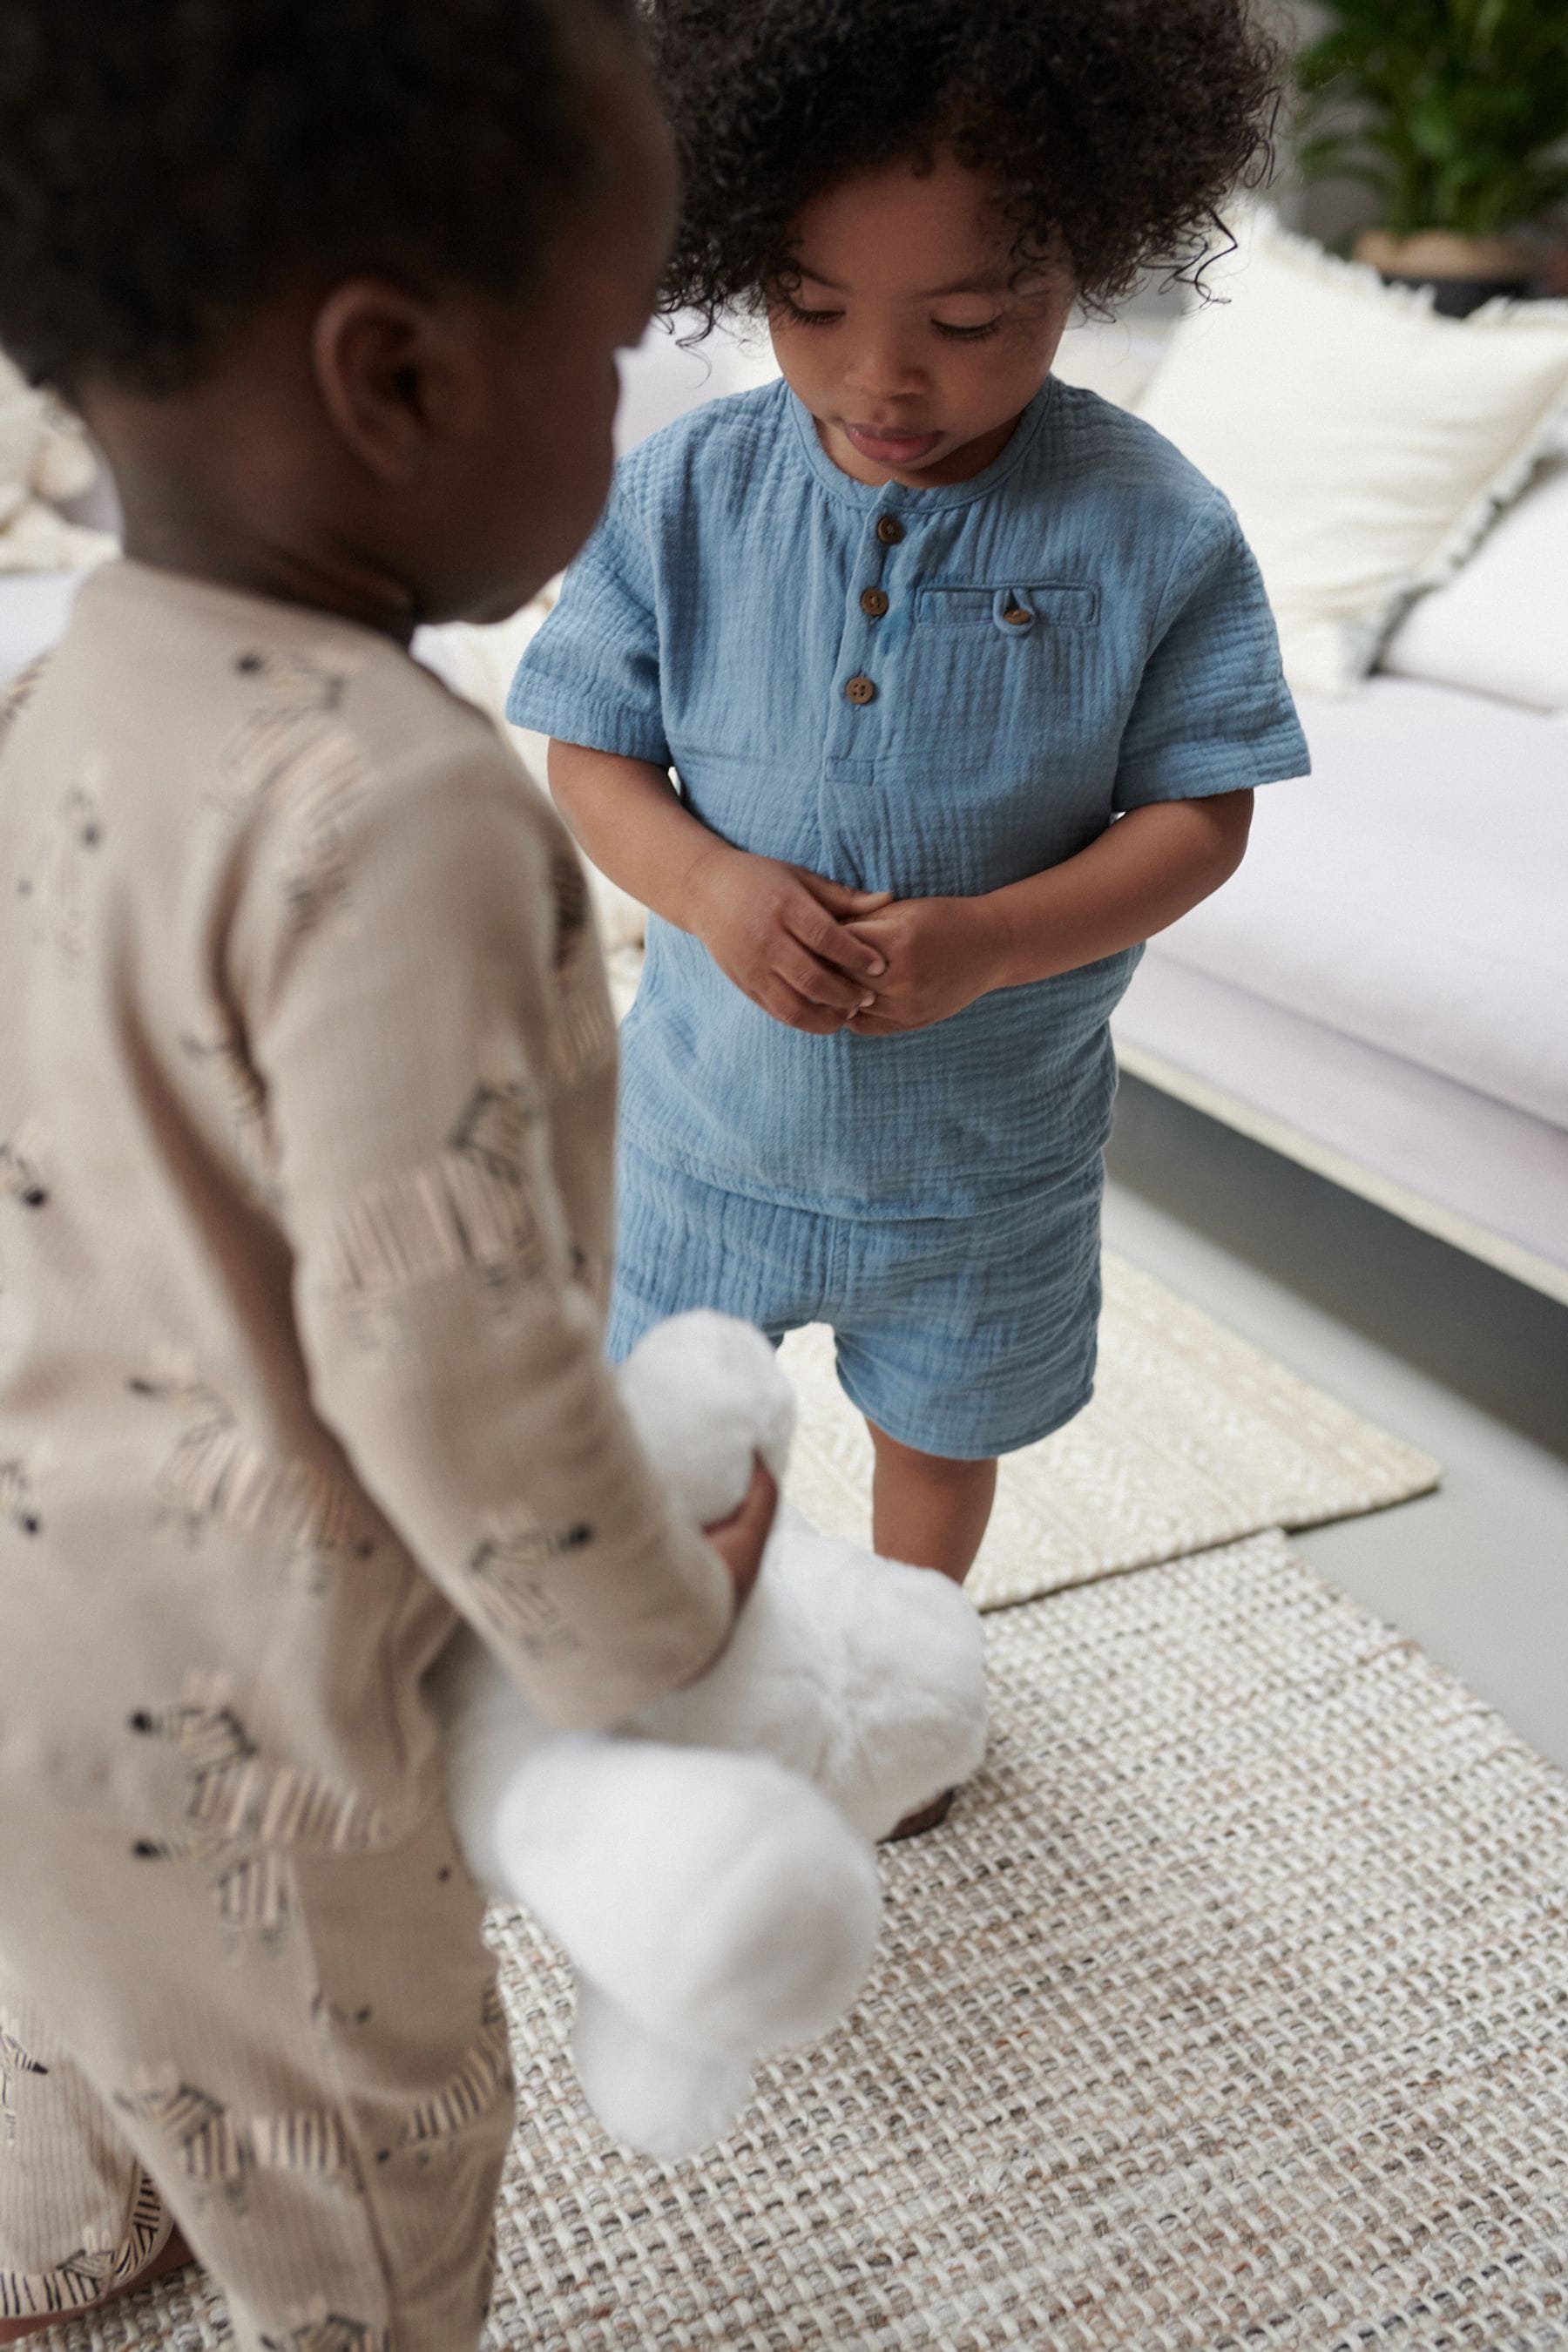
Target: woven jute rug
(1226, 2012)
(1193, 1438)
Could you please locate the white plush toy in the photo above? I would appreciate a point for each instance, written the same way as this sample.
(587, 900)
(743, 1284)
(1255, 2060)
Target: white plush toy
(45, 457)
(708, 1867)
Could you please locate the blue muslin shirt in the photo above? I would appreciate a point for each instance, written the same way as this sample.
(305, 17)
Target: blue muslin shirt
(929, 691)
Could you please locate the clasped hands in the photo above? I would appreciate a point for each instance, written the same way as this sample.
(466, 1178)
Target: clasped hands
(822, 958)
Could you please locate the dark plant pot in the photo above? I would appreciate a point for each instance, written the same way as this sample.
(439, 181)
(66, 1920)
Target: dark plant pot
(1463, 272)
(1456, 298)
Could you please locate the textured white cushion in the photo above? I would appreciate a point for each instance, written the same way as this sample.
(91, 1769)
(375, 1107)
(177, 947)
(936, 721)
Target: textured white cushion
(1366, 442)
(1500, 626)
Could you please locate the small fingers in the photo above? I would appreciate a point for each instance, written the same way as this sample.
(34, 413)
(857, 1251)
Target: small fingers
(813, 927)
(873, 1024)
(796, 1012)
(820, 983)
(839, 899)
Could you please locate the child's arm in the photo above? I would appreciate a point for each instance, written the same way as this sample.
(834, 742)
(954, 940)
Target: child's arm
(777, 930)
(1145, 870)
(436, 1052)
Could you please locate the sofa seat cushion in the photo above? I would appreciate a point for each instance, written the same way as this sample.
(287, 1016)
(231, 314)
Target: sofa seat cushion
(1411, 892)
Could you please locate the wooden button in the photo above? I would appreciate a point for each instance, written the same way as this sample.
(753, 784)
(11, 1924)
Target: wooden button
(874, 601)
(1017, 617)
(860, 689)
(889, 529)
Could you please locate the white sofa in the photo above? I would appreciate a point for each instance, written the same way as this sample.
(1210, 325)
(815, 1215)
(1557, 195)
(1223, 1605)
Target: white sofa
(1382, 991)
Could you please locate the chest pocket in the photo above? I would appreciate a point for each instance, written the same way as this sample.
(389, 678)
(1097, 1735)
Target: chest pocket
(1019, 611)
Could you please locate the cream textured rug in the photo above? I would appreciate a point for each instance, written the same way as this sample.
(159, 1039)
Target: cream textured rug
(1193, 1439)
(1226, 2012)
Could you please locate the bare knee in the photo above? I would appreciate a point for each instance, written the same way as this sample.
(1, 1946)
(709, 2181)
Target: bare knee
(938, 1469)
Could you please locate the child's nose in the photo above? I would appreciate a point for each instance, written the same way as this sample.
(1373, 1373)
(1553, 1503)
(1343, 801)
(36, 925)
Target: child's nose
(886, 368)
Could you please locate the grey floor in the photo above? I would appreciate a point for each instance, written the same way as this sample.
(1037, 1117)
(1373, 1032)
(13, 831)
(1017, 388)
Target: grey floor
(1422, 1339)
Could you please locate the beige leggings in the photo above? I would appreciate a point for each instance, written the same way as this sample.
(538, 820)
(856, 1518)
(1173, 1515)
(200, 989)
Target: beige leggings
(303, 2059)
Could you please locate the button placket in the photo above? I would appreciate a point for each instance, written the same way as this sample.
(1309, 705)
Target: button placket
(875, 603)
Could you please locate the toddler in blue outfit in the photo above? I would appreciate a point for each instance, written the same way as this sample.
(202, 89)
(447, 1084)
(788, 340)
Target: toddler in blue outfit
(966, 677)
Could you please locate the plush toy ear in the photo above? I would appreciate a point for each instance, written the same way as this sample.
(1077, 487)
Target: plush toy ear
(706, 1394)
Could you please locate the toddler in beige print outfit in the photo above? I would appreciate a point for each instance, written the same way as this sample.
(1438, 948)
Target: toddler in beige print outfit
(306, 1084)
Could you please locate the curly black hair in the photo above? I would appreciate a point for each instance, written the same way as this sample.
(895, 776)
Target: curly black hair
(165, 164)
(1114, 126)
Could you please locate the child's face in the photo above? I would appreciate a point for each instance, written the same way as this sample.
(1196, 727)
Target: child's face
(518, 500)
(910, 336)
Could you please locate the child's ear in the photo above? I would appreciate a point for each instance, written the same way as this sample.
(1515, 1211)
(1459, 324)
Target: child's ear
(395, 377)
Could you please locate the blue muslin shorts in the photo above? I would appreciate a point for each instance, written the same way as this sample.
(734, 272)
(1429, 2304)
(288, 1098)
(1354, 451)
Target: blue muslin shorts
(961, 1336)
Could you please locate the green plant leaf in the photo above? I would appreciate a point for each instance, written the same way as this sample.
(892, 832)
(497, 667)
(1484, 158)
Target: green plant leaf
(1457, 108)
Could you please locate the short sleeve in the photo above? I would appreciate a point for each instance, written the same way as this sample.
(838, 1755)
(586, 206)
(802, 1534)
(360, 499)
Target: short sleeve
(1213, 712)
(591, 676)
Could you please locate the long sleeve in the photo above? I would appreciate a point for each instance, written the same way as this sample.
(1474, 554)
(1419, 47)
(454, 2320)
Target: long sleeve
(423, 1005)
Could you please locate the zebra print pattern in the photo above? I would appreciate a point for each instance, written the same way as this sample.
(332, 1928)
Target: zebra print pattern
(215, 1476)
(296, 694)
(15, 2059)
(330, 2333)
(483, 2072)
(22, 1176)
(325, 781)
(237, 1798)
(451, 1215)
(244, 1100)
(584, 1037)
(498, 1131)
(85, 2277)
(15, 696)
(315, 2140)
(78, 836)
(512, 1594)
(254, 1896)
(210, 2152)
(569, 886)
(16, 1503)
(216, 2151)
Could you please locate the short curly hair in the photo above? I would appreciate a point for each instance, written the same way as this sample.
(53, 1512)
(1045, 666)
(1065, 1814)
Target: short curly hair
(165, 164)
(1114, 126)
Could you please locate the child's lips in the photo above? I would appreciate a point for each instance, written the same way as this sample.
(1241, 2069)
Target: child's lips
(886, 447)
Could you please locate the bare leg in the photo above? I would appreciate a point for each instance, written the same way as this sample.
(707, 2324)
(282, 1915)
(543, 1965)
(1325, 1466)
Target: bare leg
(926, 1509)
(931, 1512)
(175, 2256)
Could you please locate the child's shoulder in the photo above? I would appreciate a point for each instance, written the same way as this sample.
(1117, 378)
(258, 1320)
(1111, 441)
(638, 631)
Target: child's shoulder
(722, 439)
(1108, 453)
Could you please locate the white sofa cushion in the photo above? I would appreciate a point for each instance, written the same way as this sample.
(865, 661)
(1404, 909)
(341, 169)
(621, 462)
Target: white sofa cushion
(1500, 626)
(1410, 892)
(1366, 442)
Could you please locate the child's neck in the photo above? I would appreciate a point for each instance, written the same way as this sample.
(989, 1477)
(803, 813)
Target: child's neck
(268, 526)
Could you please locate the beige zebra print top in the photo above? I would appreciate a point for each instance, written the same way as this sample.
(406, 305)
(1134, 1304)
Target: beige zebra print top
(307, 1073)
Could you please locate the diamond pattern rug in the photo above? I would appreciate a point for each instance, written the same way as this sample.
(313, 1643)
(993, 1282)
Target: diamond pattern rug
(1193, 1438)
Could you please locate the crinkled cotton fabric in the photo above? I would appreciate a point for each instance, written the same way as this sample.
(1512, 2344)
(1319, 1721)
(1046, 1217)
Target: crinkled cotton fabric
(965, 1338)
(1075, 632)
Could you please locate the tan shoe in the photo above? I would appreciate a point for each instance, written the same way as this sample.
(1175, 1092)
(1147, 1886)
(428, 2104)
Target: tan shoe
(929, 1817)
(174, 2255)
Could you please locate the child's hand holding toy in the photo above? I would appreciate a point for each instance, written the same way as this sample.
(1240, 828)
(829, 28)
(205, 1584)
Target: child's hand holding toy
(709, 1867)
